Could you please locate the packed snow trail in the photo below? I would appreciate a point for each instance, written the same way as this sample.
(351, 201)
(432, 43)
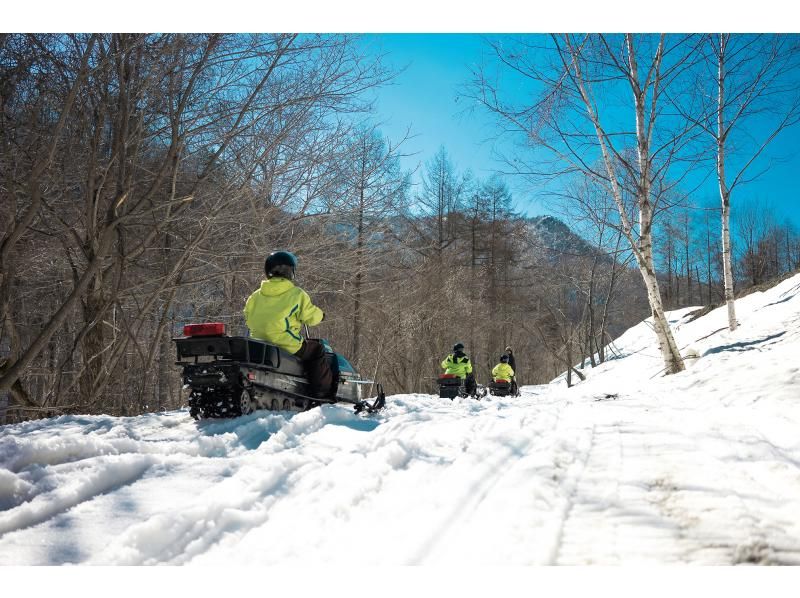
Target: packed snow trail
(627, 467)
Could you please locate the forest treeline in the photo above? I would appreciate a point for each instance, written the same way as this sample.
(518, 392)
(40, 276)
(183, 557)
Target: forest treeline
(145, 177)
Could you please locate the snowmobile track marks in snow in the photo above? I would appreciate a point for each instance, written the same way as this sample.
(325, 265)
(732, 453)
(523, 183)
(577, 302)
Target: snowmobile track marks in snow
(43, 507)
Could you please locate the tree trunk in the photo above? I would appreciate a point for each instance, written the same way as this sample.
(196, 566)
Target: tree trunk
(609, 294)
(473, 268)
(708, 260)
(688, 264)
(591, 325)
(93, 344)
(358, 283)
(673, 363)
(723, 189)
(164, 396)
(727, 268)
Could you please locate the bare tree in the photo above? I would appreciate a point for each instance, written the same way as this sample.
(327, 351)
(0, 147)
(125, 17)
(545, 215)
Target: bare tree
(766, 247)
(443, 190)
(755, 77)
(571, 121)
(153, 154)
(373, 190)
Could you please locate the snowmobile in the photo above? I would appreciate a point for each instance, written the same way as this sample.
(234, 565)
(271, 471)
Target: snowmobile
(503, 388)
(229, 376)
(451, 386)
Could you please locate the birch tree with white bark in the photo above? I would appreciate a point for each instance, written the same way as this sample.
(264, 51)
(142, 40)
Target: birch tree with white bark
(754, 80)
(599, 112)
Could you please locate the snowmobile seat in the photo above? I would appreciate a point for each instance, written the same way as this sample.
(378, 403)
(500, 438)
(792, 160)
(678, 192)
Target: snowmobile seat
(239, 349)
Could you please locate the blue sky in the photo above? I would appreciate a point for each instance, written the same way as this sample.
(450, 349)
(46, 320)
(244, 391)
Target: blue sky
(425, 97)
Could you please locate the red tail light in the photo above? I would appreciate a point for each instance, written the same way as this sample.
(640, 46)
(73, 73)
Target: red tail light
(209, 329)
(501, 380)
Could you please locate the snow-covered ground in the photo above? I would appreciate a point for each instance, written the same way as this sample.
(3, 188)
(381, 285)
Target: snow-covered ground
(628, 467)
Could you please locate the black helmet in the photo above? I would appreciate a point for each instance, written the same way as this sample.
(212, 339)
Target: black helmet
(504, 358)
(280, 263)
(458, 347)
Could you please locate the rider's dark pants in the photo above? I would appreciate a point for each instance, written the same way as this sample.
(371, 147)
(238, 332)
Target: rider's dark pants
(320, 376)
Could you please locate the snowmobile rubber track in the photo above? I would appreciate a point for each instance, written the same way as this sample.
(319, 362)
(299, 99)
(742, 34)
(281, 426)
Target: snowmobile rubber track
(231, 402)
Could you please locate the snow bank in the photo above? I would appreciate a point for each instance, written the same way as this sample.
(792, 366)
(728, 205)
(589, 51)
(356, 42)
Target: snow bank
(628, 467)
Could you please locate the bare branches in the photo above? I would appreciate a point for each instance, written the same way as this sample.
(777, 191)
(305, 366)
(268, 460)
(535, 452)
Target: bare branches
(588, 133)
(754, 75)
(145, 150)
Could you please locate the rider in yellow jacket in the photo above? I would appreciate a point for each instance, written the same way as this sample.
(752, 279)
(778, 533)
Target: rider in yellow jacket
(503, 371)
(275, 313)
(457, 363)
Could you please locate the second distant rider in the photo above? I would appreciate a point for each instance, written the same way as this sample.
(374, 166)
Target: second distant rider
(503, 370)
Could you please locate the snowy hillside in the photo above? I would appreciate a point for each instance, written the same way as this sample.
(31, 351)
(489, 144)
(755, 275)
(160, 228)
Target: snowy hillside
(628, 467)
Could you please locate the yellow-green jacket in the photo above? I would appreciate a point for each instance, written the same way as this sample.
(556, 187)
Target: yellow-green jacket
(460, 366)
(277, 310)
(502, 371)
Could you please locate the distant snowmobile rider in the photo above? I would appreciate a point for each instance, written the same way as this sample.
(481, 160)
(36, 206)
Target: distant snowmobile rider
(503, 371)
(276, 311)
(458, 363)
(511, 360)
(513, 364)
